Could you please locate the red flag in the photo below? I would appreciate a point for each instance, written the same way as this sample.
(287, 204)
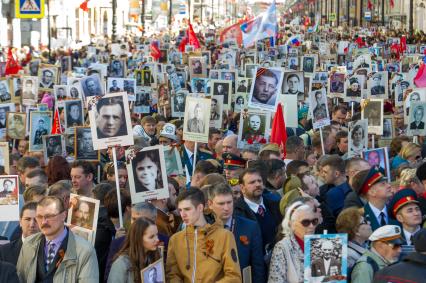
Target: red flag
(192, 38)
(12, 67)
(392, 4)
(56, 127)
(155, 51)
(182, 44)
(370, 5)
(83, 5)
(279, 133)
(420, 79)
(403, 44)
(232, 32)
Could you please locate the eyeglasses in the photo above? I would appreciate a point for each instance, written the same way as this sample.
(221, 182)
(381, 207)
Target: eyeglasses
(307, 222)
(47, 217)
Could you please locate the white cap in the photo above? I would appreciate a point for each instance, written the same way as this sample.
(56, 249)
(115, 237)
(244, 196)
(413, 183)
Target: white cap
(387, 233)
(169, 131)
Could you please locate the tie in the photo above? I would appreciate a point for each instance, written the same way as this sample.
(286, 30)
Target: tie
(382, 219)
(411, 240)
(226, 226)
(50, 254)
(261, 211)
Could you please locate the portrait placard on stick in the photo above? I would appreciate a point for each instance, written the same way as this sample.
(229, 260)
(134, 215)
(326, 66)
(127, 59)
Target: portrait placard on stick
(266, 88)
(4, 156)
(197, 119)
(154, 272)
(417, 119)
(9, 198)
(372, 109)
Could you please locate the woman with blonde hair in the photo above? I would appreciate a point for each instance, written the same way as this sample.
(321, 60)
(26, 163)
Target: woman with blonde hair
(288, 254)
(412, 153)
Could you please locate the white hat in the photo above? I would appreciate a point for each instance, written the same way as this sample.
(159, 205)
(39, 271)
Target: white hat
(387, 233)
(169, 131)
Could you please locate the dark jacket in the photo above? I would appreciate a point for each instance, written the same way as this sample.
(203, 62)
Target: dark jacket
(105, 231)
(334, 198)
(411, 269)
(249, 246)
(318, 268)
(352, 199)
(8, 273)
(10, 252)
(369, 215)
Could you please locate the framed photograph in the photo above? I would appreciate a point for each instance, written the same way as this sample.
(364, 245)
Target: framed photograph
(197, 67)
(53, 145)
(117, 68)
(216, 111)
(47, 76)
(357, 137)
(66, 64)
(147, 78)
(114, 85)
(40, 125)
(5, 92)
(251, 70)
(417, 119)
(416, 95)
(199, 85)
(243, 85)
(354, 87)
(147, 174)
(172, 161)
(223, 88)
(175, 57)
(379, 159)
(293, 63)
(60, 92)
(4, 156)
(322, 250)
(69, 146)
(363, 61)
(16, 125)
(294, 84)
(91, 86)
(229, 76)
(110, 120)
(372, 110)
(9, 198)
(74, 88)
(266, 88)
(33, 67)
(129, 86)
(4, 108)
(16, 89)
(388, 128)
(154, 272)
(74, 115)
(378, 85)
(83, 213)
(308, 64)
(196, 119)
(336, 85)
(254, 127)
(178, 103)
(143, 100)
(319, 108)
(83, 145)
(240, 101)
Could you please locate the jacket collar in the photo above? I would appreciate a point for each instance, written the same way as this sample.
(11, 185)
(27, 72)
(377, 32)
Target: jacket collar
(213, 223)
(416, 257)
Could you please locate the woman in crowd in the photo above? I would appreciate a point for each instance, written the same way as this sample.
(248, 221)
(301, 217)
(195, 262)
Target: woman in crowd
(352, 222)
(412, 153)
(288, 255)
(57, 169)
(122, 173)
(139, 250)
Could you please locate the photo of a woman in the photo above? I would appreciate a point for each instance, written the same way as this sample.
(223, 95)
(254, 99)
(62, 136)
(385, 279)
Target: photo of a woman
(147, 171)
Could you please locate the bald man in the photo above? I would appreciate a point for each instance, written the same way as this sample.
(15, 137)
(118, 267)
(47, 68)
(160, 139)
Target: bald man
(229, 145)
(326, 265)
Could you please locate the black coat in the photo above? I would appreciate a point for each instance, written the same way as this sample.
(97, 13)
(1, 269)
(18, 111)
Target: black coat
(10, 252)
(410, 269)
(8, 273)
(104, 234)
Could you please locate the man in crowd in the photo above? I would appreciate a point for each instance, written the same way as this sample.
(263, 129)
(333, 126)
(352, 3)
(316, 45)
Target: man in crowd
(82, 173)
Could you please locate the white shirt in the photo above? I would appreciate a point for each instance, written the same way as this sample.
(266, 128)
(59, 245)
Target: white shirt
(287, 161)
(377, 212)
(327, 265)
(408, 235)
(228, 224)
(254, 206)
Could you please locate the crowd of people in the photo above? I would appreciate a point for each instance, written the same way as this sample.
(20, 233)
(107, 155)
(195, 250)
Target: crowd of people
(237, 206)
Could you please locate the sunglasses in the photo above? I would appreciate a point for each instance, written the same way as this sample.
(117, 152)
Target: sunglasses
(307, 222)
(394, 246)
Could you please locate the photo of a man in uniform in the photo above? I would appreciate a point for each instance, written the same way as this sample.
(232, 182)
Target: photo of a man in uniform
(85, 145)
(196, 124)
(254, 128)
(418, 115)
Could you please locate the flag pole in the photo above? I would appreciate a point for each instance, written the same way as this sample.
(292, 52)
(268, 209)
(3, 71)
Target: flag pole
(322, 141)
(195, 158)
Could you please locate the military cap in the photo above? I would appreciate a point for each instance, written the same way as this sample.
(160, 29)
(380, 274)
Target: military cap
(232, 161)
(387, 233)
(271, 146)
(374, 176)
(401, 198)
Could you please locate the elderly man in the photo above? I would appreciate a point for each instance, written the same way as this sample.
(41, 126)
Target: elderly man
(55, 254)
(385, 250)
(327, 265)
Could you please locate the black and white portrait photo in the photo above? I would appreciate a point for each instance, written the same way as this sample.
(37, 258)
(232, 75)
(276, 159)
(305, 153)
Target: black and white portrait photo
(83, 212)
(357, 137)
(254, 127)
(240, 102)
(388, 131)
(53, 145)
(60, 92)
(66, 64)
(199, 85)
(40, 125)
(16, 125)
(319, 109)
(117, 68)
(147, 173)
(373, 111)
(92, 86)
(143, 99)
(196, 119)
(266, 88)
(354, 88)
(73, 113)
(17, 88)
(377, 85)
(308, 64)
(336, 85)
(221, 87)
(114, 85)
(83, 145)
(5, 95)
(178, 103)
(293, 84)
(74, 88)
(417, 119)
(197, 67)
(33, 67)
(216, 111)
(154, 273)
(9, 198)
(110, 120)
(47, 77)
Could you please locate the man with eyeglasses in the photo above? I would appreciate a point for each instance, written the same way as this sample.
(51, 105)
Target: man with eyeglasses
(405, 208)
(10, 251)
(385, 250)
(56, 254)
(246, 232)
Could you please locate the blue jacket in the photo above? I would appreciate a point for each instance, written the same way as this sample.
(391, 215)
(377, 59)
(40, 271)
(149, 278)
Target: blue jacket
(335, 197)
(369, 215)
(250, 252)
